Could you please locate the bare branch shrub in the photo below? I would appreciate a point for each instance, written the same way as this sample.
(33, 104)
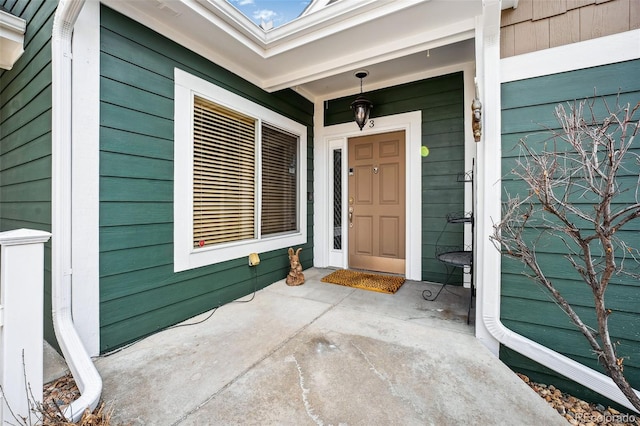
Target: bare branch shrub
(582, 190)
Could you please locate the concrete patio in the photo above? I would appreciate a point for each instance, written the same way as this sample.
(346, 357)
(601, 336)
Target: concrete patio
(321, 354)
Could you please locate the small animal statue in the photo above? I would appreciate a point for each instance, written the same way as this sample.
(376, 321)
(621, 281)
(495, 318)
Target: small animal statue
(295, 277)
(476, 124)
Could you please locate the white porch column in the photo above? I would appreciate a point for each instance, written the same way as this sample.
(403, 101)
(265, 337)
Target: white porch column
(21, 316)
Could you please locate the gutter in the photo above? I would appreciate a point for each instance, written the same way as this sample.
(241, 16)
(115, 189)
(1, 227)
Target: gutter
(569, 368)
(82, 368)
(488, 258)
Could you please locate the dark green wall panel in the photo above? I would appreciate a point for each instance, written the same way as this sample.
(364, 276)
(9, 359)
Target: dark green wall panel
(25, 134)
(120, 238)
(559, 88)
(139, 292)
(122, 142)
(133, 121)
(40, 127)
(441, 102)
(526, 307)
(128, 166)
(134, 213)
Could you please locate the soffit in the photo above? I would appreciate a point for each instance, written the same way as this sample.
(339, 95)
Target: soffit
(318, 52)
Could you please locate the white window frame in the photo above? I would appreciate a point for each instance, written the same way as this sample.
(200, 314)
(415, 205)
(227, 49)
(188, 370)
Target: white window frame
(185, 256)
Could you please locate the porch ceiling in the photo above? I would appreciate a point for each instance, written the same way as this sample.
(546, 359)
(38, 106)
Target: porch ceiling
(318, 53)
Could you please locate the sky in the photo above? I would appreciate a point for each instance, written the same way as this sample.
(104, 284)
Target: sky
(278, 11)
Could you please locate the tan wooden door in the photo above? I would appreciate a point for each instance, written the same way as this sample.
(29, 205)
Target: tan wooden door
(376, 202)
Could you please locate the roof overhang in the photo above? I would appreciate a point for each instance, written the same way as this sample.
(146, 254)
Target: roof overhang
(316, 53)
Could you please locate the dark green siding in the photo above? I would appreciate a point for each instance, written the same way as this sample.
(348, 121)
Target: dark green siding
(526, 308)
(25, 133)
(139, 293)
(442, 104)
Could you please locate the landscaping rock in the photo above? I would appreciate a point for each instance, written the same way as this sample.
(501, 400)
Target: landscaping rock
(578, 412)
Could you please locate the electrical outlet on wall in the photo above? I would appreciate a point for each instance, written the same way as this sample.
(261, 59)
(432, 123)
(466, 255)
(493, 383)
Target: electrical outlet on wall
(254, 259)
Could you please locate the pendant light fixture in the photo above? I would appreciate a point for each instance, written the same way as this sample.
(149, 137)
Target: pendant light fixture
(361, 106)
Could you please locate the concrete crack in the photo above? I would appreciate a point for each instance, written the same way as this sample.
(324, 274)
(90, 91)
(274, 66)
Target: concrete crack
(245, 371)
(390, 385)
(305, 391)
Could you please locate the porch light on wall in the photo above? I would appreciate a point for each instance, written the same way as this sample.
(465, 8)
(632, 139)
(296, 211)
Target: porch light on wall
(361, 106)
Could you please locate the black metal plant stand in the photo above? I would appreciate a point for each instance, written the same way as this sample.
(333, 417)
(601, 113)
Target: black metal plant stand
(454, 256)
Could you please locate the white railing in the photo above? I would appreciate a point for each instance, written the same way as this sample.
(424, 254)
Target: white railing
(21, 316)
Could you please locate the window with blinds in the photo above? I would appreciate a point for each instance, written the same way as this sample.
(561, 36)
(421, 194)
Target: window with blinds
(224, 183)
(224, 170)
(279, 200)
(240, 176)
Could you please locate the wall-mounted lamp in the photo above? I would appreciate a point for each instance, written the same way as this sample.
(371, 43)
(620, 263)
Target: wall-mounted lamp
(361, 106)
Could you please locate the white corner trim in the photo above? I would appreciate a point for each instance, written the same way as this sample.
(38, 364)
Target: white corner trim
(185, 256)
(321, 243)
(85, 170)
(411, 123)
(585, 54)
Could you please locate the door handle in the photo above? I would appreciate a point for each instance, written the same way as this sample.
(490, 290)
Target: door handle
(350, 217)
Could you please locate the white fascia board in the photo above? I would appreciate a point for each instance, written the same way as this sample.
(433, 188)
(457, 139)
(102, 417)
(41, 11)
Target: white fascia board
(409, 78)
(585, 54)
(330, 20)
(315, 6)
(12, 29)
(165, 28)
(303, 92)
(232, 20)
(302, 30)
(450, 34)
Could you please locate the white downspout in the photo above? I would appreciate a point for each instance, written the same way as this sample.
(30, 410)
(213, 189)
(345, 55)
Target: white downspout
(489, 202)
(77, 358)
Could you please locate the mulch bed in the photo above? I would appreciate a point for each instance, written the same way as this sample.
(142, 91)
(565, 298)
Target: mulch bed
(58, 394)
(578, 412)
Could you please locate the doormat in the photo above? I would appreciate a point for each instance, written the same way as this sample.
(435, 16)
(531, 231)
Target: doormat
(374, 282)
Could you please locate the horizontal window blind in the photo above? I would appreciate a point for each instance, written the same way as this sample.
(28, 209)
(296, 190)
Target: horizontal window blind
(224, 171)
(279, 181)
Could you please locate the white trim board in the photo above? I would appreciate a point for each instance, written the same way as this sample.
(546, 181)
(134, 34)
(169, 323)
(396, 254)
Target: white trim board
(338, 134)
(85, 169)
(585, 54)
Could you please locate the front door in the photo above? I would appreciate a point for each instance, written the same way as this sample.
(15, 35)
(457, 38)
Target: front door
(376, 202)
